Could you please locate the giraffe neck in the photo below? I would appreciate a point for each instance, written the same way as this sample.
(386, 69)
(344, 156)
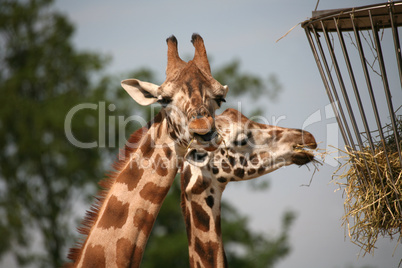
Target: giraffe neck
(122, 224)
(201, 208)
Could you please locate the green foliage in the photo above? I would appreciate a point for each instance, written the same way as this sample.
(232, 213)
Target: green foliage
(43, 77)
(241, 83)
(245, 248)
(258, 249)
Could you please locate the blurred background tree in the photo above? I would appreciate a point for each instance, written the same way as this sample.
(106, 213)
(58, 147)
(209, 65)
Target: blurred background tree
(44, 179)
(42, 77)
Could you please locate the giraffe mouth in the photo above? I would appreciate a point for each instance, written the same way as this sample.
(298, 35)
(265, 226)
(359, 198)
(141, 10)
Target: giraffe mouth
(207, 137)
(209, 141)
(302, 155)
(302, 158)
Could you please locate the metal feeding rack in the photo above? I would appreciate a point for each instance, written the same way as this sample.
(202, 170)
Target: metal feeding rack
(358, 55)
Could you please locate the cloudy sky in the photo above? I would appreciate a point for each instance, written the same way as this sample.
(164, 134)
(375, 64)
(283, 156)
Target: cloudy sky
(134, 33)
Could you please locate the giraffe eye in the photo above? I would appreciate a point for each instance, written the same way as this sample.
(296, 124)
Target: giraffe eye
(241, 140)
(219, 100)
(240, 143)
(164, 101)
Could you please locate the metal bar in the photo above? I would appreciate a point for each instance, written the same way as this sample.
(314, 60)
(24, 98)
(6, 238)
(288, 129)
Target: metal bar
(386, 90)
(341, 84)
(390, 109)
(368, 82)
(339, 76)
(354, 85)
(318, 62)
(327, 88)
(346, 98)
(360, 105)
(399, 61)
(388, 95)
(342, 123)
(396, 44)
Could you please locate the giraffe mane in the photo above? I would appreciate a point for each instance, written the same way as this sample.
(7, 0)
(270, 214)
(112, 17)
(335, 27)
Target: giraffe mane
(105, 184)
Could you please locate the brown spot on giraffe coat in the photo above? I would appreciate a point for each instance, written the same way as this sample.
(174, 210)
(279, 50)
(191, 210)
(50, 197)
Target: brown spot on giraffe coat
(131, 175)
(201, 185)
(261, 170)
(232, 160)
(218, 225)
(124, 251)
(225, 166)
(251, 171)
(94, 257)
(144, 221)
(187, 218)
(115, 214)
(207, 251)
(243, 161)
(210, 201)
(200, 217)
(160, 166)
(137, 256)
(222, 179)
(168, 152)
(186, 176)
(254, 159)
(154, 193)
(215, 169)
(147, 147)
(239, 172)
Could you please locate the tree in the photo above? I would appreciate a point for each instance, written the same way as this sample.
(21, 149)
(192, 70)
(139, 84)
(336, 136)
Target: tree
(242, 83)
(43, 78)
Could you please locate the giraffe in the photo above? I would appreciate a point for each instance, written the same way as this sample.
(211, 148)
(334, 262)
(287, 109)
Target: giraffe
(117, 227)
(249, 150)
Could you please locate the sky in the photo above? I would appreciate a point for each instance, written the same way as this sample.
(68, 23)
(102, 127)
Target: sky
(133, 33)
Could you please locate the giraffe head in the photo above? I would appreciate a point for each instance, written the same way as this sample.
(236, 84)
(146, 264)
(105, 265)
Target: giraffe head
(251, 149)
(189, 96)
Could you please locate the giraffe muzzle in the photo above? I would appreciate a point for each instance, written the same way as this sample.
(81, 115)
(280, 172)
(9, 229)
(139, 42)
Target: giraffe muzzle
(201, 126)
(301, 156)
(205, 133)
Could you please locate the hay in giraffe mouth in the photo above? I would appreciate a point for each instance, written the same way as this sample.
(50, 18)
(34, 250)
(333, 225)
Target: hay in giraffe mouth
(303, 154)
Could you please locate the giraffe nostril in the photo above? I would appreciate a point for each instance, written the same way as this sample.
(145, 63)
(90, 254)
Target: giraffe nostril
(201, 125)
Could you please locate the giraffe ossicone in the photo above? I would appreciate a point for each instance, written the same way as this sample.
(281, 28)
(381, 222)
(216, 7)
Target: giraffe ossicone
(249, 150)
(117, 227)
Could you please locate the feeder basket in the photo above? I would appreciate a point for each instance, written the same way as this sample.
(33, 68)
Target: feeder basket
(358, 55)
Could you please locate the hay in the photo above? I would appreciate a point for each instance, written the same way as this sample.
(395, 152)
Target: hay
(373, 192)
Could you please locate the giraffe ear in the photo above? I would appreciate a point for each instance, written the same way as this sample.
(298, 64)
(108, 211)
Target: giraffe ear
(143, 93)
(197, 157)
